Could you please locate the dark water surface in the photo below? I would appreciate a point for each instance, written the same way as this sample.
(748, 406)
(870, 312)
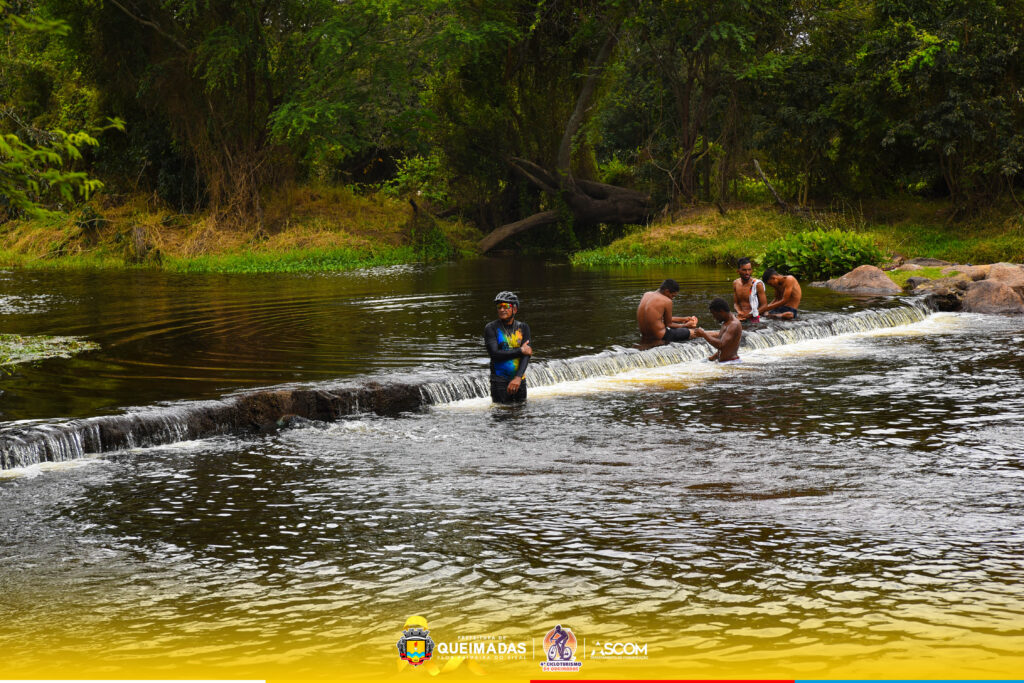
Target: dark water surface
(166, 337)
(841, 507)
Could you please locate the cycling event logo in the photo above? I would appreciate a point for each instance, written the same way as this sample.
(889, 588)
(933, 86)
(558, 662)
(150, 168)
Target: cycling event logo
(415, 646)
(560, 650)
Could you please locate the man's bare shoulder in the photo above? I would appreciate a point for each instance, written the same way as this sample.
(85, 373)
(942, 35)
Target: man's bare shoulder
(653, 299)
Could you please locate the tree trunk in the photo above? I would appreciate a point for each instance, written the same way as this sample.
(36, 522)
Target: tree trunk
(498, 235)
(590, 202)
(778, 200)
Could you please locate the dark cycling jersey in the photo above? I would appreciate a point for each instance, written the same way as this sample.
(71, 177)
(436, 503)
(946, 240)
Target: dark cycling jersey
(503, 342)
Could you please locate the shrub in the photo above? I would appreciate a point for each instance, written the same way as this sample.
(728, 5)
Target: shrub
(821, 254)
(421, 176)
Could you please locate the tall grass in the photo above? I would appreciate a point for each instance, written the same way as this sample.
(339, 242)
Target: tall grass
(297, 261)
(305, 229)
(907, 227)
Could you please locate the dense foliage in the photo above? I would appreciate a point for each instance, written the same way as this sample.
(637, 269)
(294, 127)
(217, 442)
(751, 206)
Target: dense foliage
(226, 100)
(820, 254)
(36, 164)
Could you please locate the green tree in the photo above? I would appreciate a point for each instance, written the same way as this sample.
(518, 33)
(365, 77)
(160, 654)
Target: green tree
(36, 164)
(249, 90)
(515, 112)
(875, 98)
(949, 74)
(682, 102)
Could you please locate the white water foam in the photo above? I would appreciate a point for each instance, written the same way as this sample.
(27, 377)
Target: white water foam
(681, 376)
(35, 470)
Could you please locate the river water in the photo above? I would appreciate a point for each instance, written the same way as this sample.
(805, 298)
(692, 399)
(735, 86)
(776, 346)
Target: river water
(836, 507)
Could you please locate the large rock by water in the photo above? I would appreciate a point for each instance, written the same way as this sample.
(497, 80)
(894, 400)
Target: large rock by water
(864, 280)
(1009, 274)
(993, 297)
(945, 299)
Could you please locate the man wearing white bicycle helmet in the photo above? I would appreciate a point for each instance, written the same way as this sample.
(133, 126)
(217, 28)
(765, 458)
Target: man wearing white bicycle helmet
(508, 345)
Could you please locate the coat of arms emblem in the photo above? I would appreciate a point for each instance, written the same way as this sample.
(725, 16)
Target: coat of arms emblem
(415, 646)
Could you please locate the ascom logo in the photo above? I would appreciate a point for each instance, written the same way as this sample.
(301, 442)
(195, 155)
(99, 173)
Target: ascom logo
(614, 650)
(608, 649)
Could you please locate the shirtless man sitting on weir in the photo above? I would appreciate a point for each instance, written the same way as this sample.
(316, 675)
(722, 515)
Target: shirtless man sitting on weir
(727, 339)
(655, 319)
(748, 292)
(787, 296)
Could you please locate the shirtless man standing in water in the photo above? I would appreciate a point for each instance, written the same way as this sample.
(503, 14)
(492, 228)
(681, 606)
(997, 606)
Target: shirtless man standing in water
(787, 296)
(748, 292)
(655, 319)
(727, 339)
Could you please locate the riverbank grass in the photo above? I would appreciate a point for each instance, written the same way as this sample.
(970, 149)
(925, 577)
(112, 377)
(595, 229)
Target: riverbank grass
(304, 229)
(900, 277)
(912, 228)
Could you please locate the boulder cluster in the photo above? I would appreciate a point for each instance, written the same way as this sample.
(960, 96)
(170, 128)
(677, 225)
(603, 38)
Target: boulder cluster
(996, 288)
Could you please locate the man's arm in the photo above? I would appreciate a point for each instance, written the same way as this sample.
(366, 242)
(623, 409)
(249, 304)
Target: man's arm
(792, 294)
(776, 302)
(716, 339)
(527, 351)
(666, 314)
(762, 298)
(709, 335)
(721, 339)
(678, 320)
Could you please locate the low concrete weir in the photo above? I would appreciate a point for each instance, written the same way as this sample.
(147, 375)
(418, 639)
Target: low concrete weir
(619, 359)
(27, 443)
(23, 444)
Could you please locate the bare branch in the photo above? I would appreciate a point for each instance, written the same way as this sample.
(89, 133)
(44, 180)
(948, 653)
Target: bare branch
(535, 174)
(152, 24)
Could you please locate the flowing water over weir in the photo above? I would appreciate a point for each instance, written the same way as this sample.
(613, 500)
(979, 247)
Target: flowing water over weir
(28, 443)
(623, 359)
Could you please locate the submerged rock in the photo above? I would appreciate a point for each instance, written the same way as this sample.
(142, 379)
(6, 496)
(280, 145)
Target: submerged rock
(864, 280)
(260, 412)
(993, 297)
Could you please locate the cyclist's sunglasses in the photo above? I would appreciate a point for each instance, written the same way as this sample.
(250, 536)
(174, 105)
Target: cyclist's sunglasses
(502, 307)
